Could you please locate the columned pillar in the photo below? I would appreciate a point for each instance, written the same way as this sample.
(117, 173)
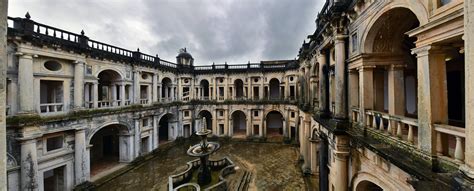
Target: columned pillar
(433, 108)
(95, 92)
(314, 155)
(214, 123)
(340, 78)
(29, 165)
(114, 94)
(159, 96)
(155, 132)
(341, 168)
(249, 123)
(468, 168)
(87, 93)
(353, 90)
(126, 147)
(122, 94)
(396, 92)
(81, 157)
(155, 88)
(323, 86)
(136, 87)
(366, 91)
(149, 93)
(138, 137)
(25, 80)
(78, 84)
(226, 122)
(305, 142)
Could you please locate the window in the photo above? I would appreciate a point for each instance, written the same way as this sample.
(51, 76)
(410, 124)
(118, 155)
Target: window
(221, 113)
(144, 76)
(291, 78)
(221, 129)
(52, 66)
(355, 44)
(145, 122)
(255, 113)
(54, 179)
(88, 69)
(292, 114)
(54, 143)
(255, 79)
(186, 113)
(443, 2)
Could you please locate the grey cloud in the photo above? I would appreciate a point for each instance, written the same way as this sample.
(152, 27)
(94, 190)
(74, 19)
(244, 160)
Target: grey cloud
(212, 30)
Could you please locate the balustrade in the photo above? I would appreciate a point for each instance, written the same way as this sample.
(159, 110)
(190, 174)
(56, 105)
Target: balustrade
(456, 135)
(51, 107)
(403, 128)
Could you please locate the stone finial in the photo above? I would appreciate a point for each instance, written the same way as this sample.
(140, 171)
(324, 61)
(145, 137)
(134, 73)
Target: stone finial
(82, 32)
(138, 49)
(27, 15)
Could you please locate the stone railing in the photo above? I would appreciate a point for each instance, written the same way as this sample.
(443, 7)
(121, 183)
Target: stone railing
(446, 134)
(355, 115)
(144, 101)
(51, 107)
(105, 103)
(403, 128)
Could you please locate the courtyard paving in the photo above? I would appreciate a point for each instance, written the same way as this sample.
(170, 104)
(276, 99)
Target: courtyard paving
(273, 167)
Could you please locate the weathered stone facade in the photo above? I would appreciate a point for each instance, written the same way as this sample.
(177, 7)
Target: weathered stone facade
(379, 99)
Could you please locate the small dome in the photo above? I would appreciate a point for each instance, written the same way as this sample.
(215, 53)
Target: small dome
(184, 54)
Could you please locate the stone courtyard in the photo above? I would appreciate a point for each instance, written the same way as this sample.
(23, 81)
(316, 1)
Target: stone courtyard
(272, 166)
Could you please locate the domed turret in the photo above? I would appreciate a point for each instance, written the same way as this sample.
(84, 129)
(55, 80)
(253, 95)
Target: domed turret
(184, 58)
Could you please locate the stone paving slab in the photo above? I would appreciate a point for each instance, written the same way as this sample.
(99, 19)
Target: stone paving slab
(273, 167)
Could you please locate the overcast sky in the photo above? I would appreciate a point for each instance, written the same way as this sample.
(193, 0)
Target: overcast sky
(236, 31)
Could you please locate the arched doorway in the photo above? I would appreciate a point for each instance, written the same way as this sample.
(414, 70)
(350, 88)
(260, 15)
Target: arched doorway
(367, 185)
(274, 89)
(395, 74)
(166, 128)
(274, 121)
(239, 89)
(167, 89)
(108, 90)
(208, 116)
(204, 85)
(239, 123)
(109, 147)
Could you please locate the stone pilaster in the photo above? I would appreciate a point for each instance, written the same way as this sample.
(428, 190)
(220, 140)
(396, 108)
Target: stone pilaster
(25, 80)
(79, 84)
(81, 157)
(3, 77)
(323, 86)
(432, 87)
(154, 88)
(340, 79)
(29, 159)
(95, 94)
(155, 132)
(366, 91)
(138, 138)
(396, 90)
(305, 143)
(136, 87)
(341, 160)
(468, 168)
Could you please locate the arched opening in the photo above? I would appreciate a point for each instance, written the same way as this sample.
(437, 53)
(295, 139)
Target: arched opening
(208, 116)
(167, 89)
(166, 128)
(367, 185)
(109, 90)
(395, 73)
(274, 89)
(274, 121)
(239, 88)
(107, 145)
(239, 123)
(204, 85)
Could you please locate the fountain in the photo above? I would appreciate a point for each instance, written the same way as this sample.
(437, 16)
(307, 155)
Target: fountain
(210, 174)
(203, 150)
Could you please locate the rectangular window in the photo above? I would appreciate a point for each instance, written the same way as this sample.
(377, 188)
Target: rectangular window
(355, 44)
(186, 113)
(443, 2)
(221, 113)
(54, 143)
(88, 69)
(221, 129)
(255, 113)
(145, 122)
(54, 179)
(292, 114)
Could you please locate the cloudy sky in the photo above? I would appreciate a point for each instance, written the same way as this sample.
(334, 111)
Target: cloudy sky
(236, 31)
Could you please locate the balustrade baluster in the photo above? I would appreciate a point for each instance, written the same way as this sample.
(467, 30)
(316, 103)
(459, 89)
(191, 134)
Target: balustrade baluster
(459, 151)
(374, 122)
(399, 129)
(381, 126)
(389, 126)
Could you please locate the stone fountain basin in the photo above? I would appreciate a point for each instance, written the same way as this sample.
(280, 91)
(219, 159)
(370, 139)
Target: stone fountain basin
(187, 180)
(198, 151)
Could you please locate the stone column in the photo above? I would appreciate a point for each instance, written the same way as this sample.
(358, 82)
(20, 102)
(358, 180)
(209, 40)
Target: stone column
(226, 123)
(314, 155)
(155, 132)
(353, 90)
(138, 138)
(25, 80)
(433, 108)
(214, 123)
(249, 123)
(396, 93)
(341, 169)
(468, 168)
(136, 87)
(3, 89)
(340, 79)
(29, 165)
(126, 147)
(95, 92)
(78, 84)
(87, 94)
(149, 93)
(122, 94)
(114, 94)
(159, 96)
(81, 157)
(366, 90)
(155, 88)
(323, 86)
(305, 143)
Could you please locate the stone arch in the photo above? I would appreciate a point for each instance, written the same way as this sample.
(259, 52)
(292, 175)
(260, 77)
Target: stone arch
(113, 71)
(239, 88)
(239, 123)
(362, 177)
(204, 85)
(167, 127)
(274, 89)
(274, 123)
(208, 115)
(126, 128)
(109, 81)
(167, 88)
(111, 144)
(416, 8)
